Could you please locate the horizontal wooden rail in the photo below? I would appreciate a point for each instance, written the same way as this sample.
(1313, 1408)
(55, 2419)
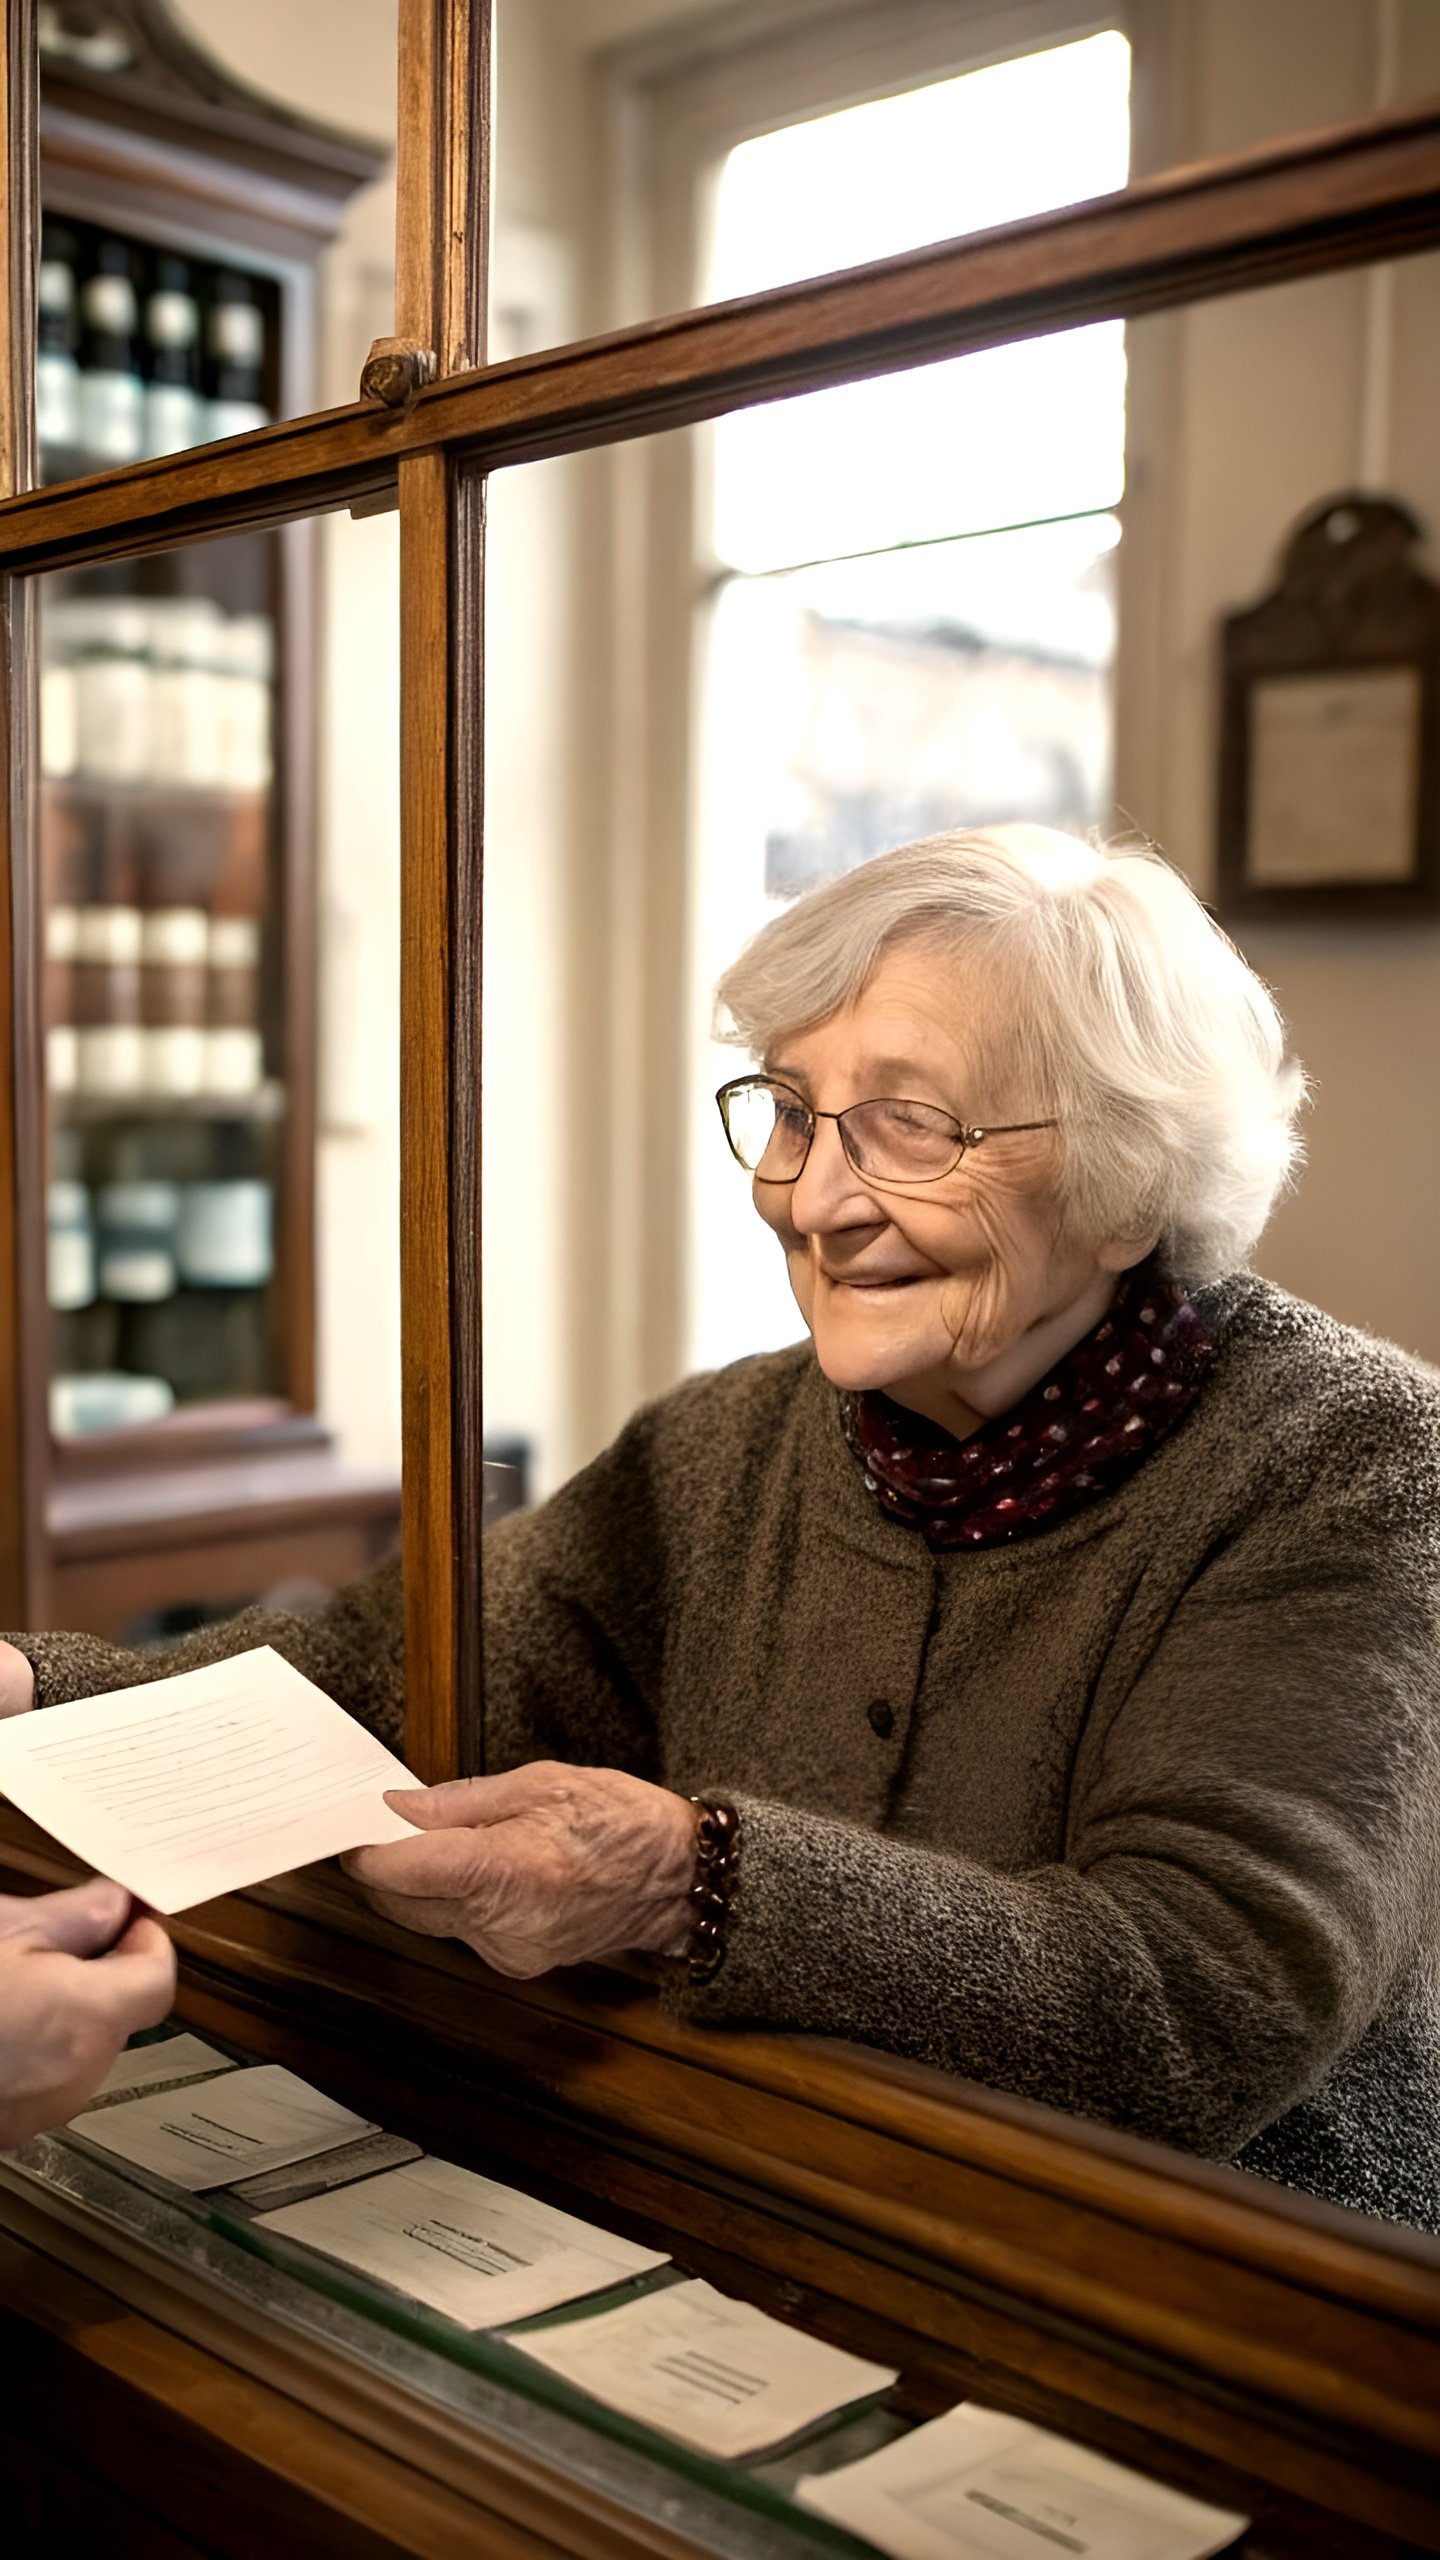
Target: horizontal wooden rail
(1351, 194)
(1247, 2324)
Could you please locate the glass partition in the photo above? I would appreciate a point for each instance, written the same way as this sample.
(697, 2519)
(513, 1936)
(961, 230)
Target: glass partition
(809, 643)
(217, 867)
(180, 298)
(166, 1038)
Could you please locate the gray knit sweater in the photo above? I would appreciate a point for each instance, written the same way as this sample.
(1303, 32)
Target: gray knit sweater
(1140, 1817)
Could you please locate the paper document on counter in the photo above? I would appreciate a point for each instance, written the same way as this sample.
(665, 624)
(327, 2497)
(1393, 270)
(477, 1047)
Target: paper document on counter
(234, 2127)
(198, 1785)
(169, 2060)
(481, 2253)
(975, 2485)
(721, 2377)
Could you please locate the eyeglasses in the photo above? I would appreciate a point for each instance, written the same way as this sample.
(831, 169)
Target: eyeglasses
(771, 1129)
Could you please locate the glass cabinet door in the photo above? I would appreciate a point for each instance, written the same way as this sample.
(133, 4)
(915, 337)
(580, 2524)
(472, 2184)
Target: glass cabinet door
(163, 902)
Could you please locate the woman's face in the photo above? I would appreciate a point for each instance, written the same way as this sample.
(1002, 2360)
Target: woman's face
(939, 1294)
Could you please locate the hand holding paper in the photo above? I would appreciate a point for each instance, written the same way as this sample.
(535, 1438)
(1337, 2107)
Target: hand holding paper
(195, 1786)
(78, 1974)
(17, 1682)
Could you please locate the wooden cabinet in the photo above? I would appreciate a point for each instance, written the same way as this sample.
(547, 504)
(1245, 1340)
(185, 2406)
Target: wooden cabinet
(173, 905)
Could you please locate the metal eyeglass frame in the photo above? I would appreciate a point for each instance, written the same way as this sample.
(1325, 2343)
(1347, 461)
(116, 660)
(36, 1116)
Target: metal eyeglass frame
(965, 1138)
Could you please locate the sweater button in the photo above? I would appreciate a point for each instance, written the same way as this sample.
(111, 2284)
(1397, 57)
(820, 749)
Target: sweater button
(882, 1717)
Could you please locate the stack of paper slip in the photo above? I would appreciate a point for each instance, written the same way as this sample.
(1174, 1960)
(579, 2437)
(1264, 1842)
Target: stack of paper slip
(161, 2065)
(975, 2485)
(718, 2376)
(482, 2254)
(223, 2129)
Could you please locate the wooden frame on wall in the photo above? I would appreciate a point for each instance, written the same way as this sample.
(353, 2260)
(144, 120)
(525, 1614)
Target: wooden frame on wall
(1329, 800)
(1105, 2283)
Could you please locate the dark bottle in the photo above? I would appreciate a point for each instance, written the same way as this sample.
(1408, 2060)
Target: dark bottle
(175, 410)
(234, 356)
(207, 1344)
(112, 395)
(57, 373)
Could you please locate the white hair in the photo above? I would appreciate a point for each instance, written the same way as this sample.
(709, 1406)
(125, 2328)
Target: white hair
(1136, 1023)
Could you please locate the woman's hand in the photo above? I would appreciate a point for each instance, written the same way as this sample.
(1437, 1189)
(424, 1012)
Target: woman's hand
(541, 1866)
(78, 1975)
(17, 1682)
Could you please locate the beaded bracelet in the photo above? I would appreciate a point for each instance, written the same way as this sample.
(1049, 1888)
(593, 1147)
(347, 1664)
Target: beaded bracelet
(717, 1864)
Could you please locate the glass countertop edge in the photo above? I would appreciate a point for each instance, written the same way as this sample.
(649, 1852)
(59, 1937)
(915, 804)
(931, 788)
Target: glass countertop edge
(730, 2510)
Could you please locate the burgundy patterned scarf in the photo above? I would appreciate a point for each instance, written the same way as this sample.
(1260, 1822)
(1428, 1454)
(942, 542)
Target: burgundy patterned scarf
(1077, 1434)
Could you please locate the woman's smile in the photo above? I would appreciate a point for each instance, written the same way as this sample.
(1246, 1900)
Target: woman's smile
(931, 1292)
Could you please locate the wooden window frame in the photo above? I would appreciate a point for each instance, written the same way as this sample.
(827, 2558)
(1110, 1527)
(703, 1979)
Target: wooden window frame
(1092, 2270)
(669, 107)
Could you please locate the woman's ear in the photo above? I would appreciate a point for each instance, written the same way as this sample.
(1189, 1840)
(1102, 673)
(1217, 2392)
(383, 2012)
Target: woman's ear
(1122, 1253)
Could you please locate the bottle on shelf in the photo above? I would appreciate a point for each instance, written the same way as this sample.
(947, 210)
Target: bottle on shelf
(223, 1234)
(235, 356)
(187, 693)
(209, 1338)
(174, 950)
(207, 1344)
(175, 409)
(70, 1267)
(247, 666)
(59, 700)
(62, 1054)
(137, 1226)
(88, 1401)
(112, 393)
(109, 1044)
(57, 370)
(109, 637)
(234, 1047)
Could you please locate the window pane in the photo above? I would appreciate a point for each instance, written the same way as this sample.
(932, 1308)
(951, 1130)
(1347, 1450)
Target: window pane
(959, 155)
(856, 706)
(952, 448)
(190, 296)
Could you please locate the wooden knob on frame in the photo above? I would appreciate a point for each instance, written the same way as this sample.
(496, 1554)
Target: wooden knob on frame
(394, 370)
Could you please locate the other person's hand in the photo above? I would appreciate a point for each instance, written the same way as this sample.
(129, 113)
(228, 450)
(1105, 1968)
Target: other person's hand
(78, 1975)
(540, 1866)
(17, 1682)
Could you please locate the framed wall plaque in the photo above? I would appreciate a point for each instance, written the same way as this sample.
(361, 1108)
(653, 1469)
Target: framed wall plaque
(1330, 726)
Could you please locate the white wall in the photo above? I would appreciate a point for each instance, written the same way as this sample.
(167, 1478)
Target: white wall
(1247, 412)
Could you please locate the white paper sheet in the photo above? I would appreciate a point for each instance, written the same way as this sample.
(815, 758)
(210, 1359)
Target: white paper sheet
(479, 2252)
(719, 2376)
(975, 2485)
(152, 2066)
(226, 2129)
(197, 1785)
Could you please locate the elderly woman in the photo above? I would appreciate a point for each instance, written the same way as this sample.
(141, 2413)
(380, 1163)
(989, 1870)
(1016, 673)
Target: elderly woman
(1050, 1641)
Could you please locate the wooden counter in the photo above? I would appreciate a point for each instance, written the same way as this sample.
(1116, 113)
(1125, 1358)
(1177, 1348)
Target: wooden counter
(1266, 2353)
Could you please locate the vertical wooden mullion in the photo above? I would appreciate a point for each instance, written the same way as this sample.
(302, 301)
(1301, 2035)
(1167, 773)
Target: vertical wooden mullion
(442, 172)
(23, 1422)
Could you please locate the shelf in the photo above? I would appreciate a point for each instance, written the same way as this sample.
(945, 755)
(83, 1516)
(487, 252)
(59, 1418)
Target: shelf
(184, 798)
(75, 1110)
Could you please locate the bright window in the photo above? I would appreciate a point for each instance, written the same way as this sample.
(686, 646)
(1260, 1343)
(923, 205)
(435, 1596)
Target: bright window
(909, 622)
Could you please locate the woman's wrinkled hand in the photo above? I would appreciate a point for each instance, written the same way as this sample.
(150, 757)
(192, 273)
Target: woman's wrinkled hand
(79, 1973)
(17, 1682)
(540, 1866)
